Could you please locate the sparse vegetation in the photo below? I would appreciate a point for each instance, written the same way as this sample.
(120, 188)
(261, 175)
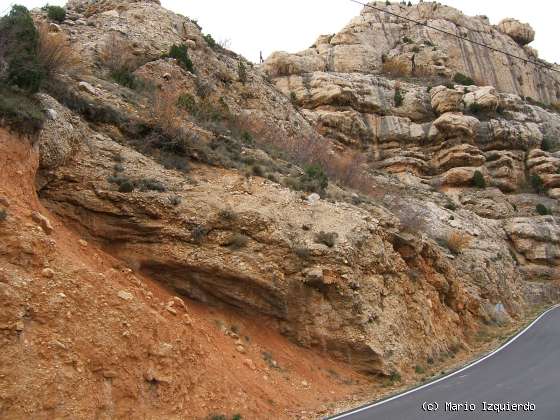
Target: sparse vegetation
(475, 108)
(419, 370)
(543, 210)
(461, 79)
(478, 180)
(186, 101)
(326, 238)
(175, 200)
(3, 215)
(181, 54)
(238, 241)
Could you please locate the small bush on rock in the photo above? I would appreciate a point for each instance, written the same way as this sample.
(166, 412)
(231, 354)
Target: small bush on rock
(461, 79)
(478, 180)
(537, 183)
(210, 41)
(398, 98)
(543, 210)
(328, 239)
(3, 215)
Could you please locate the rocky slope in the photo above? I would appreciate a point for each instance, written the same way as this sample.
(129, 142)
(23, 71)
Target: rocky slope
(395, 265)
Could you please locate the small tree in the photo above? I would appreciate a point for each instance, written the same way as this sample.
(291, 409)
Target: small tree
(398, 97)
(181, 54)
(478, 180)
(56, 13)
(537, 183)
(242, 72)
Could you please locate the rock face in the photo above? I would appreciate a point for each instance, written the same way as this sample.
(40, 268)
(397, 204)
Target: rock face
(439, 214)
(377, 42)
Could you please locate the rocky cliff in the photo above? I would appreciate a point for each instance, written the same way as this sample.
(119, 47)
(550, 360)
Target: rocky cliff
(373, 217)
(378, 36)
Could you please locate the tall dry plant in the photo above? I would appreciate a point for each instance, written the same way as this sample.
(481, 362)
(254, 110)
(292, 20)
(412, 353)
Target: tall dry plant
(116, 54)
(55, 54)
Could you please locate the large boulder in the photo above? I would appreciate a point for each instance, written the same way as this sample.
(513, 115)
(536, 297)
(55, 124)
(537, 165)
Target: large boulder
(484, 99)
(445, 99)
(454, 124)
(522, 33)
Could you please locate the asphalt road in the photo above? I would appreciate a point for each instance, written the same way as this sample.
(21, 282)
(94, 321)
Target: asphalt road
(525, 370)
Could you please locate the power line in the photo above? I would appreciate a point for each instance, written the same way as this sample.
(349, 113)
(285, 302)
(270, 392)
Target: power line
(480, 44)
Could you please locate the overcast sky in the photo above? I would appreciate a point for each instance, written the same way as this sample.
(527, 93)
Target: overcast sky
(293, 25)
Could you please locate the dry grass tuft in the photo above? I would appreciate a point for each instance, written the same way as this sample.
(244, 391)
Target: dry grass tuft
(458, 242)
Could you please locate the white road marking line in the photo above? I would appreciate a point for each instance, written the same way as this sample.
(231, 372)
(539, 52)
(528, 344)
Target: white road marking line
(476, 362)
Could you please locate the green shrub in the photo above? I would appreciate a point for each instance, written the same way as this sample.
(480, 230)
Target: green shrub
(395, 377)
(257, 170)
(478, 180)
(150, 184)
(242, 72)
(475, 108)
(416, 49)
(302, 252)
(181, 54)
(314, 180)
(126, 187)
(461, 79)
(247, 138)
(227, 214)
(328, 239)
(549, 145)
(20, 111)
(419, 369)
(198, 233)
(210, 41)
(398, 98)
(543, 210)
(537, 183)
(125, 77)
(175, 200)
(3, 215)
(407, 40)
(238, 241)
(56, 13)
(18, 49)
(451, 205)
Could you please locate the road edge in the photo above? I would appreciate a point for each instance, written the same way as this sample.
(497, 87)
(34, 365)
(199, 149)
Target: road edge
(443, 378)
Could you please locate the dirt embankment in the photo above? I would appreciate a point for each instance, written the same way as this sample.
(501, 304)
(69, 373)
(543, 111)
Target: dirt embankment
(84, 336)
